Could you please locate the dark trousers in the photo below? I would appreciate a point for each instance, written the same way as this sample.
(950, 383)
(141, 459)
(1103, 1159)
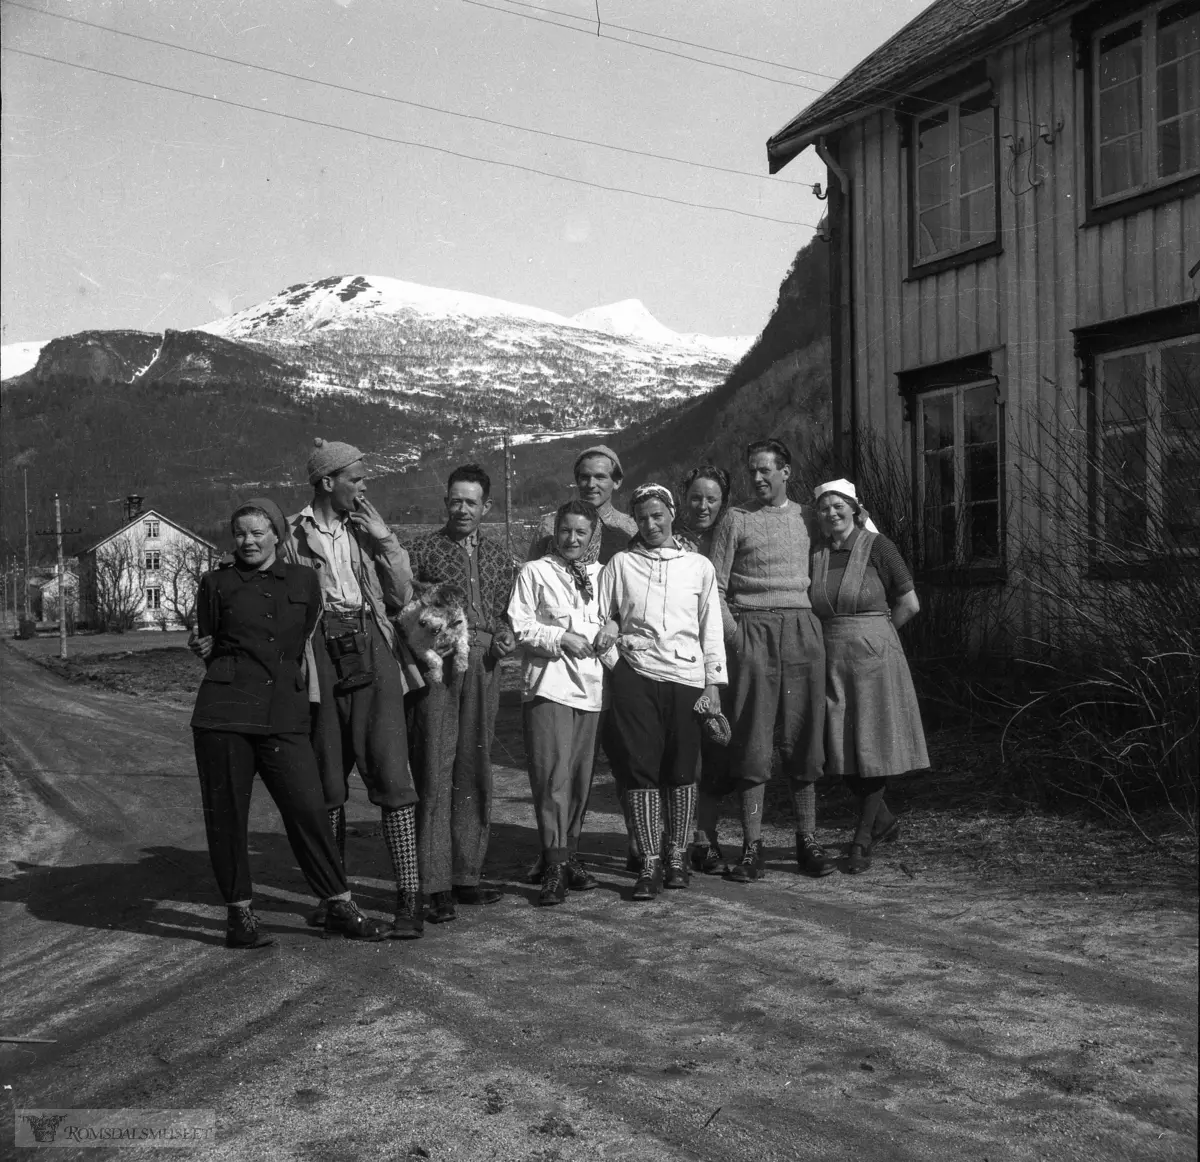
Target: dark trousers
(364, 728)
(560, 745)
(227, 763)
(453, 726)
(651, 734)
(777, 690)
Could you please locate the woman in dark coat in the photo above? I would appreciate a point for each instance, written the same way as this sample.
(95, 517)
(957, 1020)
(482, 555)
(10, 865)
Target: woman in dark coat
(255, 616)
(862, 592)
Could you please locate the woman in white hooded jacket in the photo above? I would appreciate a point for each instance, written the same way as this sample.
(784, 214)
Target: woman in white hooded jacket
(665, 618)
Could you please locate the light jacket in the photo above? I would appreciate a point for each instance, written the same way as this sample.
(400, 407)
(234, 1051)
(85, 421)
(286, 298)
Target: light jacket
(545, 605)
(383, 575)
(665, 603)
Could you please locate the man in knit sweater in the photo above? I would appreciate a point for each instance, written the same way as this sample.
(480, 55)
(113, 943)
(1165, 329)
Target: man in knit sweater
(776, 655)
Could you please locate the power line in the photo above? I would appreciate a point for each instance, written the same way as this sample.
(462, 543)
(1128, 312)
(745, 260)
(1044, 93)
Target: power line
(645, 47)
(394, 100)
(402, 141)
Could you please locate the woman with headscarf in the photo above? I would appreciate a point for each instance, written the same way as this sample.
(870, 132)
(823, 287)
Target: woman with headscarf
(862, 592)
(665, 618)
(705, 494)
(255, 617)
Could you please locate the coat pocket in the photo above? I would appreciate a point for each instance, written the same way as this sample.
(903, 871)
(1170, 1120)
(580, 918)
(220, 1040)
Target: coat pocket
(222, 669)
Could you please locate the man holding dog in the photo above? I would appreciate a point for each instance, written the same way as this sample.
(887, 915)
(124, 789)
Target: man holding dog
(454, 720)
(365, 579)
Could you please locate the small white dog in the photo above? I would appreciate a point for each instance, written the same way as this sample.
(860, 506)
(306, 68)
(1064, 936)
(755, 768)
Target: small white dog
(434, 623)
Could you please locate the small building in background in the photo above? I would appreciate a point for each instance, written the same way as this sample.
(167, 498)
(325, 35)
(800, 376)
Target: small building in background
(145, 574)
(47, 601)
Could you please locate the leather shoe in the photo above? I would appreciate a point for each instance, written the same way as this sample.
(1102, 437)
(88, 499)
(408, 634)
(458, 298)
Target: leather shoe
(709, 859)
(858, 860)
(579, 879)
(476, 894)
(409, 921)
(813, 859)
(242, 930)
(345, 918)
(554, 885)
(675, 874)
(441, 908)
(751, 867)
(646, 887)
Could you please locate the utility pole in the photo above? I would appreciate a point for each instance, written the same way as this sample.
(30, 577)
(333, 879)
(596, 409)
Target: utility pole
(25, 473)
(508, 492)
(62, 582)
(57, 533)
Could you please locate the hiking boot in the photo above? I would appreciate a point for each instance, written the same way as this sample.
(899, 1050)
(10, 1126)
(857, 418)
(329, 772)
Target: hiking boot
(476, 894)
(858, 859)
(675, 872)
(709, 859)
(441, 908)
(579, 879)
(812, 858)
(751, 867)
(554, 885)
(242, 930)
(346, 917)
(646, 887)
(409, 921)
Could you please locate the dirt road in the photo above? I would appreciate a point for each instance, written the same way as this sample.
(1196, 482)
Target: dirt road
(898, 1015)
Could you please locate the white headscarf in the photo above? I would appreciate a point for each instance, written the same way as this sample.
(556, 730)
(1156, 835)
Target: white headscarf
(844, 487)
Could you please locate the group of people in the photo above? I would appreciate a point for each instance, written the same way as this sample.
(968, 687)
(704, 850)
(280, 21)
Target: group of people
(694, 642)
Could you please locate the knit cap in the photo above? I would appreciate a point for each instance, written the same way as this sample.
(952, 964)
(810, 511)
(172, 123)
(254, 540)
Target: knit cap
(329, 457)
(601, 450)
(274, 514)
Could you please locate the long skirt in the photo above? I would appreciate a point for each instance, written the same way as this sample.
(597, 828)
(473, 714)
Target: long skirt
(872, 720)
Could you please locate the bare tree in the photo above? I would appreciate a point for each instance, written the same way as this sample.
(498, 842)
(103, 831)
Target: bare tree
(183, 564)
(118, 584)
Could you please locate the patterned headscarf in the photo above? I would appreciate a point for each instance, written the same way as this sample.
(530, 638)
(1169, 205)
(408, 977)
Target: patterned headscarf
(579, 576)
(653, 492)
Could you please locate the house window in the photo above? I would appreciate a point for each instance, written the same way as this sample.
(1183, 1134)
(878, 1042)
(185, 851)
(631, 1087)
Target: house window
(153, 560)
(152, 529)
(958, 475)
(153, 598)
(954, 178)
(1145, 100)
(1146, 495)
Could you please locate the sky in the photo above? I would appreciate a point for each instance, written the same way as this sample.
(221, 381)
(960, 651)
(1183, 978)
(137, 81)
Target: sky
(132, 205)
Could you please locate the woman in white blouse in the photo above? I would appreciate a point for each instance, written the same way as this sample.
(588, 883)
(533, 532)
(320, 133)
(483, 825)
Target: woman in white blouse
(666, 619)
(555, 616)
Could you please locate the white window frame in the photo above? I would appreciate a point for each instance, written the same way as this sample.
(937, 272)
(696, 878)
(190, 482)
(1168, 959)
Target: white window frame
(951, 108)
(961, 515)
(1155, 441)
(153, 530)
(1148, 18)
(152, 560)
(153, 596)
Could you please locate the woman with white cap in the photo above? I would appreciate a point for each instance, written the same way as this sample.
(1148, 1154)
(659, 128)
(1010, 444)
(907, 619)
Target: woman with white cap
(862, 592)
(665, 617)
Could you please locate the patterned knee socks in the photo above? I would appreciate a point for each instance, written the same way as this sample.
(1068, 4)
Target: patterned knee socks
(804, 799)
(400, 835)
(337, 820)
(646, 809)
(681, 802)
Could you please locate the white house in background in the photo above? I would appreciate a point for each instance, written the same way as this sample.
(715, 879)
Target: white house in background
(145, 575)
(49, 589)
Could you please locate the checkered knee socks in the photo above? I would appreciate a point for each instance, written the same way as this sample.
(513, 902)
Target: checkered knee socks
(400, 835)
